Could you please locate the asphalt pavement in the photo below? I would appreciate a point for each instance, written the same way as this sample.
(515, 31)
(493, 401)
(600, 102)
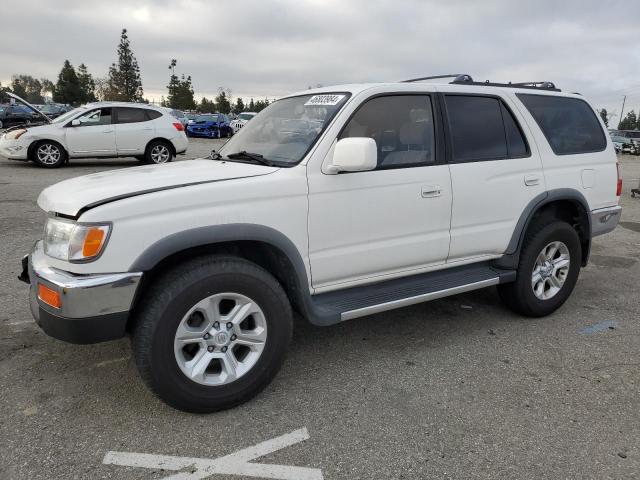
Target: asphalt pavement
(458, 388)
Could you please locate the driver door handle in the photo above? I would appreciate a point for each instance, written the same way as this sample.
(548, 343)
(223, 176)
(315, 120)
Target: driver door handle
(430, 191)
(531, 180)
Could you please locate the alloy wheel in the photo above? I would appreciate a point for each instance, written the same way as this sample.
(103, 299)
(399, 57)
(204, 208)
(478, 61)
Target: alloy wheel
(48, 154)
(160, 154)
(220, 339)
(550, 270)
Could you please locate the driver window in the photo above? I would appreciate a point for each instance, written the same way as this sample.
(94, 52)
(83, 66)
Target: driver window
(401, 125)
(101, 116)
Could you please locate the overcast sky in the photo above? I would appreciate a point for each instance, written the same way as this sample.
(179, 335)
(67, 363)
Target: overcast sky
(269, 48)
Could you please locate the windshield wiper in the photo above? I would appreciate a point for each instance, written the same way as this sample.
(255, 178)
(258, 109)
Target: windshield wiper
(256, 157)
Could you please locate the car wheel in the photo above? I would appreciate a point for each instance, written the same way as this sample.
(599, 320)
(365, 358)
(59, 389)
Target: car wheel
(48, 154)
(211, 333)
(158, 152)
(547, 272)
(1, 124)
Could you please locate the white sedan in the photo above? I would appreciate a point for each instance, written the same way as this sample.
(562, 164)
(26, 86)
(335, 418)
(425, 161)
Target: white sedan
(104, 129)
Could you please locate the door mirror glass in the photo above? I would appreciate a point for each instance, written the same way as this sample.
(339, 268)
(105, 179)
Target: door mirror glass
(75, 123)
(355, 154)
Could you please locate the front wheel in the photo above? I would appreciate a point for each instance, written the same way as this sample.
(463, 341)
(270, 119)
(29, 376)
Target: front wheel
(547, 272)
(212, 333)
(48, 154)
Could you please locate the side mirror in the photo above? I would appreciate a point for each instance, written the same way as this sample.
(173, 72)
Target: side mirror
(76, 123)
(358, 154)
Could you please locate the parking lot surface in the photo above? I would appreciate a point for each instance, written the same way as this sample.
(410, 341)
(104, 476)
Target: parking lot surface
(458, 388)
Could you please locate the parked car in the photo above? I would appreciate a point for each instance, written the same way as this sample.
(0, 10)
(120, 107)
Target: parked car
(12, 115)
(105, 129)
(397, 198)
(181, 116)
(210, 125)
(54, 110)
(624, 145)
(633, 136)
(241, 120)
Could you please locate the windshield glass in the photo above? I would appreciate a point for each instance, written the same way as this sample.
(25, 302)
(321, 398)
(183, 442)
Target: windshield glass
(69, 115)
(285, 130)
(246, 116)
(50, 109)
(633, 134)
(207, 118)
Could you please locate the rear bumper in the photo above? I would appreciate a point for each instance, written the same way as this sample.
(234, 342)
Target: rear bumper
(604, 220)
(94, 308)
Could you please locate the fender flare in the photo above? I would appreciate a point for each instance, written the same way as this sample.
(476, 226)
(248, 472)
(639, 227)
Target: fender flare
(512, 253)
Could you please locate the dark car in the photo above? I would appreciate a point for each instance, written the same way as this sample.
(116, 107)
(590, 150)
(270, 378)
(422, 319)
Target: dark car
(210, 125)
(53, 110)
(11, 115)
(632, 135)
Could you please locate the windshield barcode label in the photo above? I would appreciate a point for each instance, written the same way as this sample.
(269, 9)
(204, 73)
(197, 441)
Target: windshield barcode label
(324, 100)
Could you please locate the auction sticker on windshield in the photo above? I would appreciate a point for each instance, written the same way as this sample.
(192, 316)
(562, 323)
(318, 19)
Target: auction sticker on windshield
(324, 100)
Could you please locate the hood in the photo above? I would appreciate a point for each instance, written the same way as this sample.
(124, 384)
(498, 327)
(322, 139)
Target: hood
(24, 102)
(70, 197)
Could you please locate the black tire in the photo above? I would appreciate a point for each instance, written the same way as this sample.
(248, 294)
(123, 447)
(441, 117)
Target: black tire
(519, 295)
(166, 302)
(150, 152)
(41, 158)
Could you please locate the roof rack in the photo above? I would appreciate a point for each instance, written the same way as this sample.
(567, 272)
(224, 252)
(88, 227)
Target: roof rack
(465, 79)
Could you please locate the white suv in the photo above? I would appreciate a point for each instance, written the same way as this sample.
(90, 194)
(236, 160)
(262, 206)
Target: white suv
(105, 129)
(336, 203)
(241, 121)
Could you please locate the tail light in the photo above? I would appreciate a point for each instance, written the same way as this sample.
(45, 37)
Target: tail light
(619, 186)
(179, 126)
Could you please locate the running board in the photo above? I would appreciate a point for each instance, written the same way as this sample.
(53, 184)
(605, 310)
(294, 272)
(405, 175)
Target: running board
(337, 306)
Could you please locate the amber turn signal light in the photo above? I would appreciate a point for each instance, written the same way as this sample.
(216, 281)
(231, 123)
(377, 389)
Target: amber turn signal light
(49, 296)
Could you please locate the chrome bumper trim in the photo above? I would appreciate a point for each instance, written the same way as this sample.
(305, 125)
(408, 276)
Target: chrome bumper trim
(83, 295)
(604, 220)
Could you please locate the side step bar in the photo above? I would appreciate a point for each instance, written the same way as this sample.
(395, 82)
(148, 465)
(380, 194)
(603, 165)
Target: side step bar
(334, 307)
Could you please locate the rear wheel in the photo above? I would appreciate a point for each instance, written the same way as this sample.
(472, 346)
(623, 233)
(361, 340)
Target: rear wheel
(212, 333)
(158, 152)
(49, 154)
(547, 272)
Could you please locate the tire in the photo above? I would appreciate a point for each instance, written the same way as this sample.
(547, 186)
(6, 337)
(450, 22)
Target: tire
(1, 124)
(160, 322)
(557, 283)
(159, 152)
(49, 154)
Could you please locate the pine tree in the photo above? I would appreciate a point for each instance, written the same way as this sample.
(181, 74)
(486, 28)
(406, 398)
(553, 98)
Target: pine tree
(239, 106)
(630, 122)
(124, 79)
(180, 90)
(87, 85)
(206, 106)
(68, 87)
(223, 104)
(252, 106)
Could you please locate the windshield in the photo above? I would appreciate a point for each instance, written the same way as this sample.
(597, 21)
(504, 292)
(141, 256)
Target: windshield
(50, 109)
(69, 115)
(246, 116)
(286, 130)
(633, 134)
(207, 118)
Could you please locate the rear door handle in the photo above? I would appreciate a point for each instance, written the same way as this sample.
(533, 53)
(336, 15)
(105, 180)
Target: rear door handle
(430, 191)
(531, 180)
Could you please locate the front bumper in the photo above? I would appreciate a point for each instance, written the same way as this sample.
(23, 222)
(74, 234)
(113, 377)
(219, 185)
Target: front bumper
(604, 220)
(13, 149)
(94, 308)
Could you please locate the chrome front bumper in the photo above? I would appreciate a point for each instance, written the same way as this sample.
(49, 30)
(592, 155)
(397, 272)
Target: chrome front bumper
(604, 220)
(93, 307)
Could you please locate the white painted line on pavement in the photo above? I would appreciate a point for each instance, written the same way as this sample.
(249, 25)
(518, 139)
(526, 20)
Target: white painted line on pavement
(237, 463)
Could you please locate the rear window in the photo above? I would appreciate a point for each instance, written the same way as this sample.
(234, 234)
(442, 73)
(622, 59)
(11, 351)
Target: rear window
(131, 115)
(569, 124)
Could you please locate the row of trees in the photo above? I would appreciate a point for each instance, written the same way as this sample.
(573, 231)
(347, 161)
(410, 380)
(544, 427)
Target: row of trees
(77, 86)
(181, 97)
(630, 122)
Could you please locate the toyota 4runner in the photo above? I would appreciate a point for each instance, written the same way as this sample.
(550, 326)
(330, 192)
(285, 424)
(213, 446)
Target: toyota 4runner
(334, 203)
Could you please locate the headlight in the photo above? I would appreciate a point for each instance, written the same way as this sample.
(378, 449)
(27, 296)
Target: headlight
(74, 242)
(15, 134)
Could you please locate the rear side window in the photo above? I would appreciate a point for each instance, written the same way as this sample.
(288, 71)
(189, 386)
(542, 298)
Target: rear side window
(569, 124)
(153, 114)
(131, 115)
